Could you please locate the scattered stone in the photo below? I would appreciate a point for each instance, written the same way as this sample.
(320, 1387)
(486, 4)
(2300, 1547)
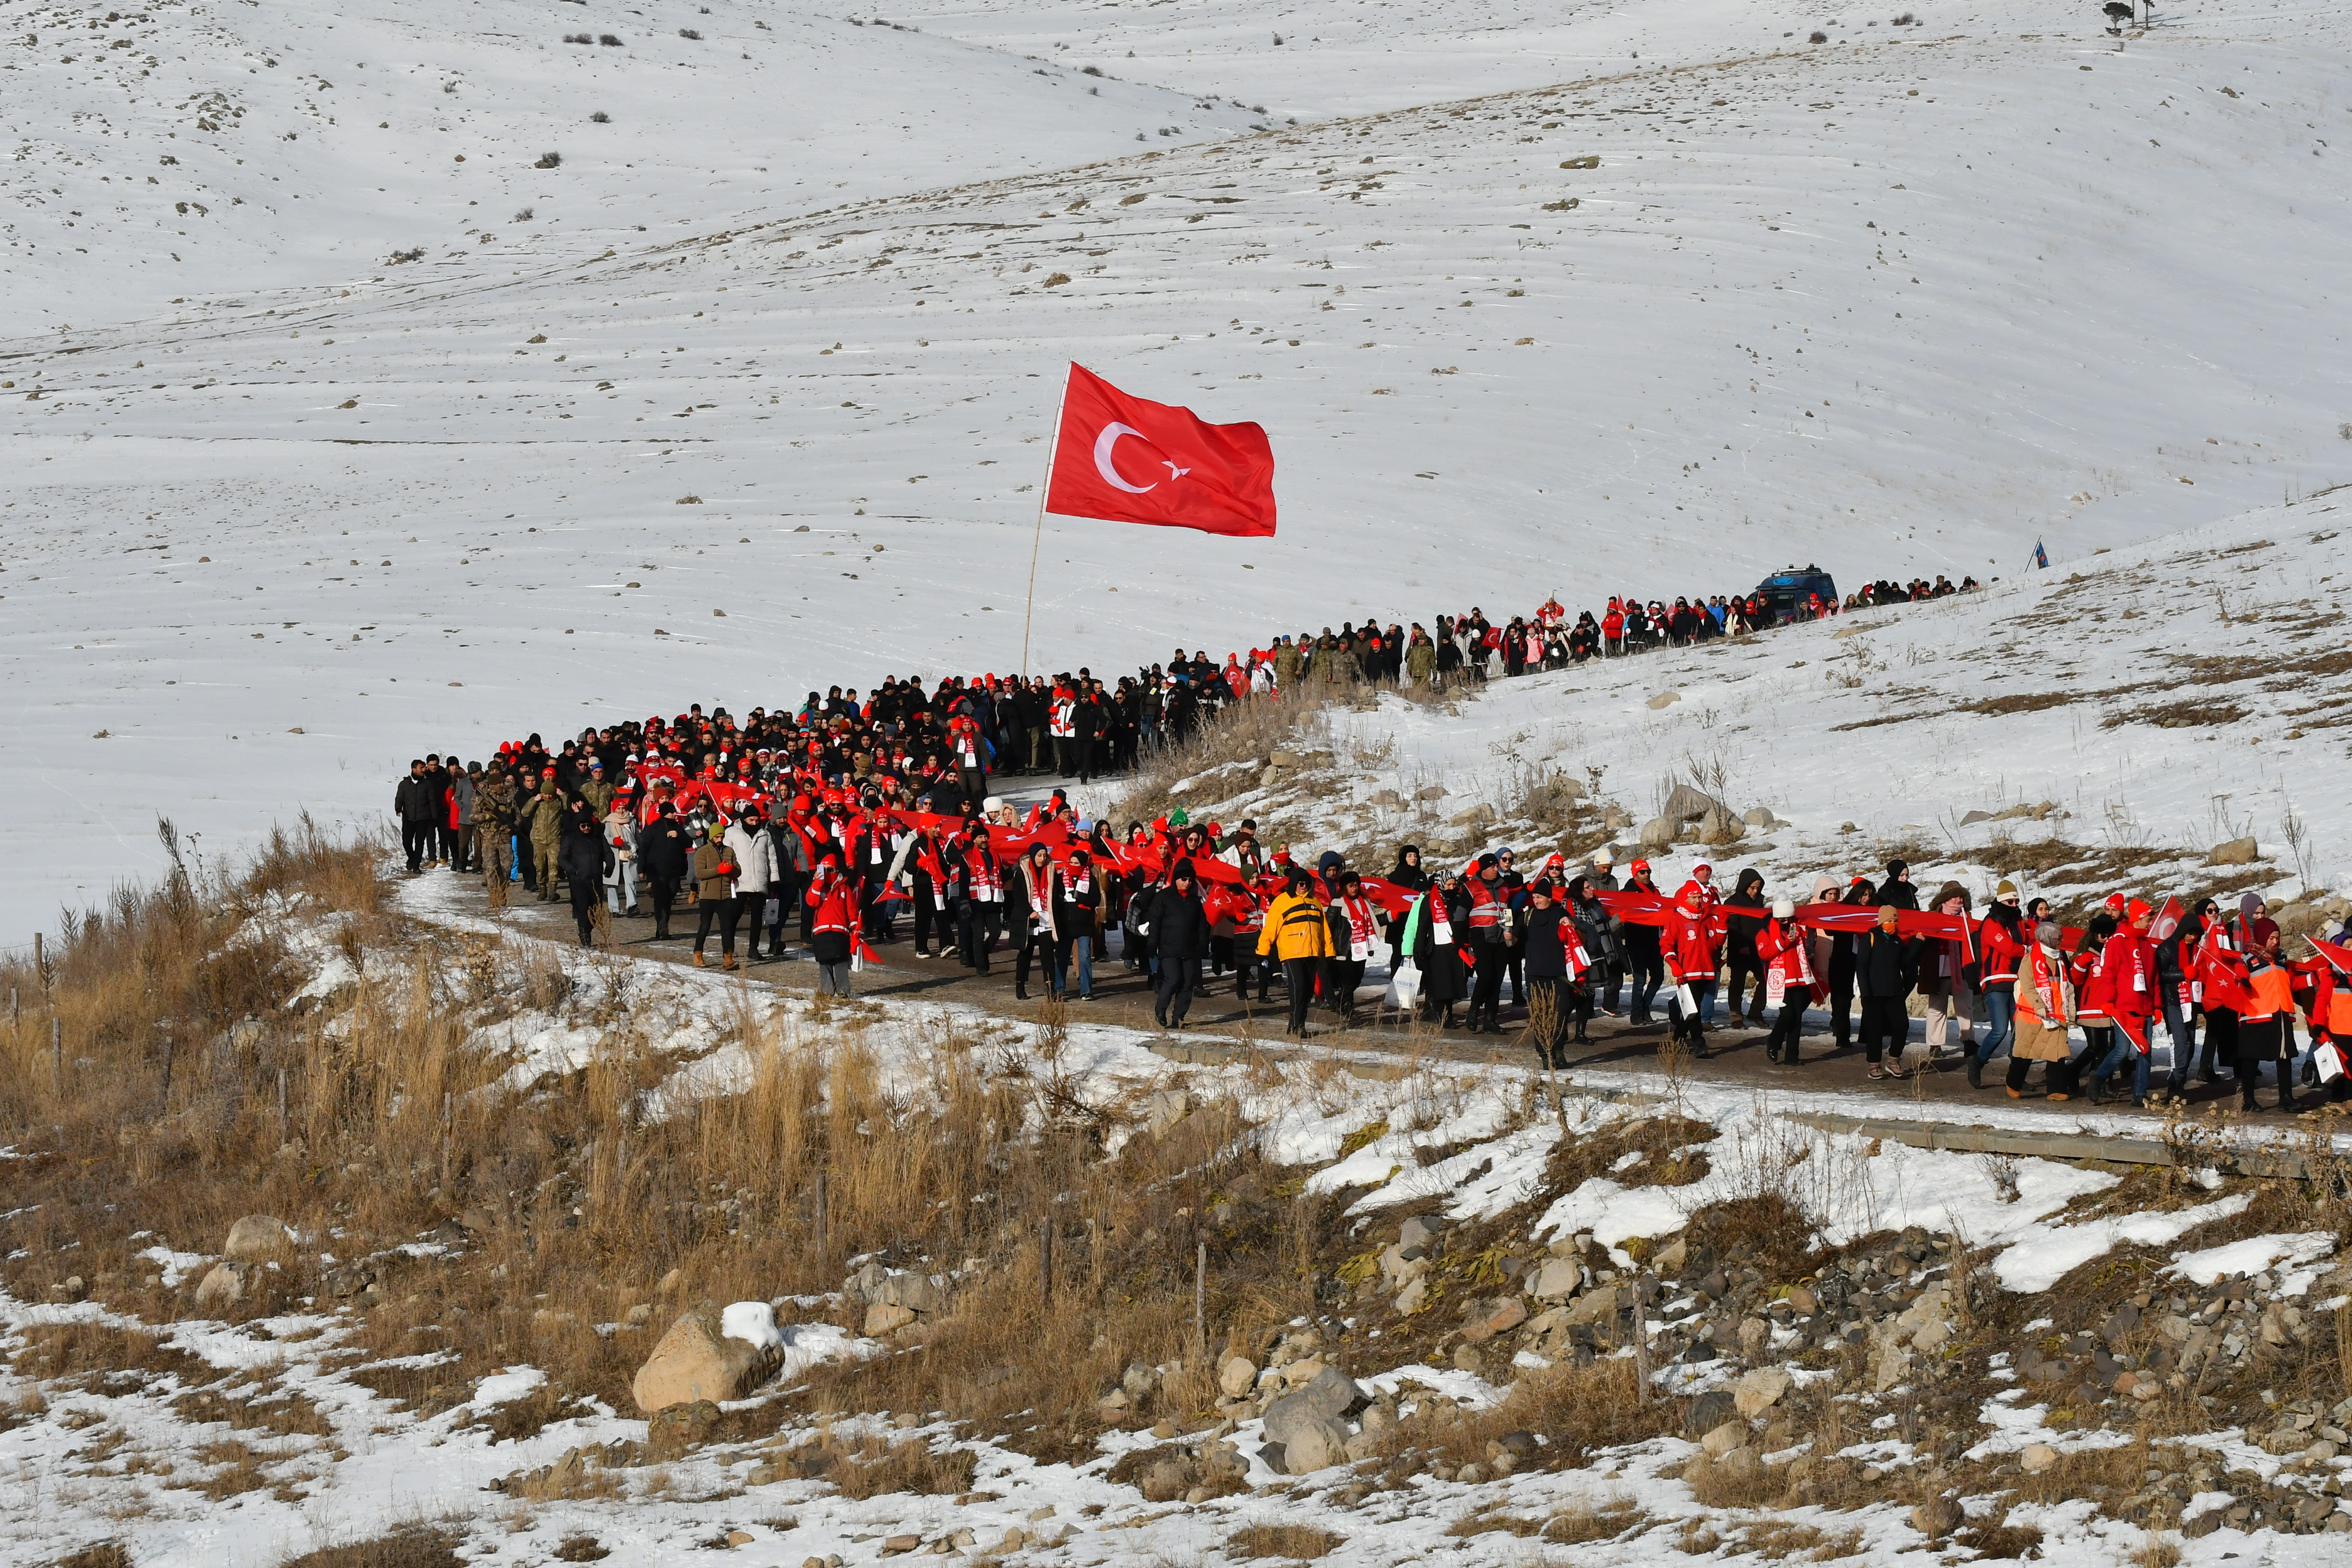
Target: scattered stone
(1759, 816)
(2036, 1457)
(1430, 792)
(898, 1545)
(1237, 1376)
(1409, 1298)
(1970, 818)
(739, 1537)
(1418, 1237)
(1665, 699)
(1500, 1316)
(2234, 852)
(1386, 798)
(1658, 833)
(1477, 816)
(1707, 1411)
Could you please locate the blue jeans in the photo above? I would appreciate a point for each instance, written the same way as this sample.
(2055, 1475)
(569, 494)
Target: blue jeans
(2121, 1052)
(2001, 1021)
(1083, 946)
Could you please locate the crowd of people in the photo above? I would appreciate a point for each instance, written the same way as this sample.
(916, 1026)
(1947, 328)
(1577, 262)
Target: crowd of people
(853, 813)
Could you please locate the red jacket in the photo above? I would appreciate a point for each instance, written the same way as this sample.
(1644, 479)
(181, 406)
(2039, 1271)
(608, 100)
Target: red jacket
(834, 900)
(2128, 974)
(1687, 944)
(1997, 951)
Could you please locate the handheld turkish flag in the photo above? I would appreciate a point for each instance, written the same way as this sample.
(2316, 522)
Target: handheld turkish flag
(1126, 460)
(2168, 920)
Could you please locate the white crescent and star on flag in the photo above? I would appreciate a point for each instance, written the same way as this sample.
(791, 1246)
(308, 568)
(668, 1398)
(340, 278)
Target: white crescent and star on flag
(1106, 465)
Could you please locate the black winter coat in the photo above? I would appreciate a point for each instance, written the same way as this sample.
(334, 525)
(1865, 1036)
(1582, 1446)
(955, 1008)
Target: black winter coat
(584, 859)
(1548, 932)
(662, 850)
(1179, 926)
(1885, 964)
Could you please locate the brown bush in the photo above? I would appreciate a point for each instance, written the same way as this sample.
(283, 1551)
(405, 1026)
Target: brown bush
(419, 1547)
(914, 1466)
(1298, 1542)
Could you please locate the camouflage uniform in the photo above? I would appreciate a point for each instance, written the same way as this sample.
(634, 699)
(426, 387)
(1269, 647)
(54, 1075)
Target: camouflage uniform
(494, 820)
(546, 812)
(599, 797)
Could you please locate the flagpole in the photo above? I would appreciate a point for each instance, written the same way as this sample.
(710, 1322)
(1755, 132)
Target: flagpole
(1051, 445)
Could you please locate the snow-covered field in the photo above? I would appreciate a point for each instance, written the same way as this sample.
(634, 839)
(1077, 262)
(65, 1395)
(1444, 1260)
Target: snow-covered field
(95, 1461)
(1907, 301)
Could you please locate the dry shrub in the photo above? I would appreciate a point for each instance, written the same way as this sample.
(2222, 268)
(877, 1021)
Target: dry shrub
(1716, 1485)
(415, 1547)
(582, 1549)
(1575, 1160)
(565, 1195)
(98, 1554)
(1995, 1540)
(1243, 731)
(1575, 1409)
(1765, 1230)
(1298, 1542)
(874, 1469)
(1579, 1522)
(1777, 1540)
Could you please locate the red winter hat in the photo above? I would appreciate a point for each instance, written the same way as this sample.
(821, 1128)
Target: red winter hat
(1691, 897)
(2135, 912)
(2114, 903)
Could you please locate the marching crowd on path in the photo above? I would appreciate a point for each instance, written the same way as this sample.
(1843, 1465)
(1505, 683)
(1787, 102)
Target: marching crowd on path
(849, 814)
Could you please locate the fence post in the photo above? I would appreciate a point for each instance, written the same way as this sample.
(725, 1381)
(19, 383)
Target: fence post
(1201, 1304)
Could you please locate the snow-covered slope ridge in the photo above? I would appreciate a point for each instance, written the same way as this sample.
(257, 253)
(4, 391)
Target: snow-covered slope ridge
(2161, 699)
(1796, 310)
(184, 150)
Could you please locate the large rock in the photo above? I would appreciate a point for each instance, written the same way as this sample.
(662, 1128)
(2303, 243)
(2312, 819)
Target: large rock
(1595, 1305)
(2236, 852)
(1555, 1280)
(255, 1239)
(1306, 1424)
(1658, 833)
(886, 1318)
(1759, 1391)
(916, 1292)
(695, 1361)
(223, 1286)
(1489, 1318)
(1237, 1376)
(1310, 1444)
(1418, 1237)
(1688, 805)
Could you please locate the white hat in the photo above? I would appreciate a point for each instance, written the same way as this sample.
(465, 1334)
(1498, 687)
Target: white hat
(993, 803)
(1602, 857)
(1783, 908)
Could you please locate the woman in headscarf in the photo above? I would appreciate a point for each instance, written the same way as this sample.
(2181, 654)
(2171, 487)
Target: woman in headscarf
(1435, 933)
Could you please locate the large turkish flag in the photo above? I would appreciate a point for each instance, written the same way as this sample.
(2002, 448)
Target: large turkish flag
(1127, 460)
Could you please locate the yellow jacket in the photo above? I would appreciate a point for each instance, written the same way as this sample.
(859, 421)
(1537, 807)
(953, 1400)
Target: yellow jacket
(1295, 928)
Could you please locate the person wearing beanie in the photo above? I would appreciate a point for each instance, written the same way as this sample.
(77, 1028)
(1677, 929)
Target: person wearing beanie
(1687, 946)
(2045, 1005)
(1843, 947)
(1744, 922)
(2127, 980)
(1884, 966)
(1557, 963)
(1645, 966)
(2000, 944)
(1788, 980)
(1490, 936)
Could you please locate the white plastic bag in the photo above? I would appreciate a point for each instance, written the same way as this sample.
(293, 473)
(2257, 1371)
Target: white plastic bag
(1404, 988)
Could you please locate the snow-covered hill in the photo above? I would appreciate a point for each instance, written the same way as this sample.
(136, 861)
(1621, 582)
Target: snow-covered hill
(2082, 731)
(1907, 301)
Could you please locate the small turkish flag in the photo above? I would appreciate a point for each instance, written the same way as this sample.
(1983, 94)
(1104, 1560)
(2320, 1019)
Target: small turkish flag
(1125, 460)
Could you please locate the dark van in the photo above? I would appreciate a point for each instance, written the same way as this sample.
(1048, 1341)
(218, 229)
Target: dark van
(1789, 593)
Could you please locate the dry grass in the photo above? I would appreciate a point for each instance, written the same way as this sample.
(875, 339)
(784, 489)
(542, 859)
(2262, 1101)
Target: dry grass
(98, 1554)
(1574, 1409)
(1245, 731)
(1581, 1521)
(1777, 1540)
(1296, 1542)
(874, 1469)
(573, 1207)
(419, 1547)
